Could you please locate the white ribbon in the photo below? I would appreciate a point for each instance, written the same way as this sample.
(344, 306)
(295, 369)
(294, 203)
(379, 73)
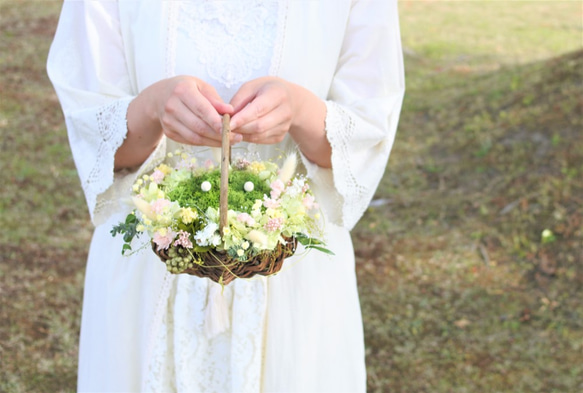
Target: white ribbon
(216, 311)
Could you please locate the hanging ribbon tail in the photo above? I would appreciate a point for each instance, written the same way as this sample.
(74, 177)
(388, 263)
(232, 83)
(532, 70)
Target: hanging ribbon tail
(216, 312)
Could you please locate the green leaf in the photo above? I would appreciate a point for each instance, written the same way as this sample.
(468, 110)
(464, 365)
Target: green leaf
(310, 242)
(126, 247)
(322, 249)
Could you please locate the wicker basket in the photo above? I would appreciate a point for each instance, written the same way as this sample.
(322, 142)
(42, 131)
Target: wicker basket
(218, 265)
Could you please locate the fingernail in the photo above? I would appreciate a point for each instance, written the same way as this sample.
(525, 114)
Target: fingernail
(238, 138)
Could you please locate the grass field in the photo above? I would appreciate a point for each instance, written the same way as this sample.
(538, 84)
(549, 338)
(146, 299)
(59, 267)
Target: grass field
(460, 290)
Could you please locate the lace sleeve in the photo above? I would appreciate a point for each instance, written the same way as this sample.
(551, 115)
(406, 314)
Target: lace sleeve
(364, 103)
(87, 66)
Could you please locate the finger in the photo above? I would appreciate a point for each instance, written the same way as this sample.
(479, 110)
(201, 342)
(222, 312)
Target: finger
(278, 119)
(190, 130)
(182, 133)
(261, 106)
(196, 132)
(192, 98)
(178, 115)
(246, 93)
(215, 100)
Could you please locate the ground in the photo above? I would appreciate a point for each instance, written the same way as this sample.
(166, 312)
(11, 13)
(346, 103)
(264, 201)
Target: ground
(469, 260)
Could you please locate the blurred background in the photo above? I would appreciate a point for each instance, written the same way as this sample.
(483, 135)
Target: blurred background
(470, 258)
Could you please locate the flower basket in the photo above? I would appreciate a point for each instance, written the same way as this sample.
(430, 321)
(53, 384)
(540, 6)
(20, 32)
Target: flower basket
(221, 268)
(241, 221)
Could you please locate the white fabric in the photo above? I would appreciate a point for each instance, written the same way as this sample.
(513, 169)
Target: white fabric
(300, 331)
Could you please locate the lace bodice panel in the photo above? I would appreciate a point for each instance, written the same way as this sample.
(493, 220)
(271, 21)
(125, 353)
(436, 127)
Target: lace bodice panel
(225, 43)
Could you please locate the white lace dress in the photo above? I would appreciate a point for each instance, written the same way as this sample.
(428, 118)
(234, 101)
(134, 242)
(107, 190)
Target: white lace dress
(300, 331)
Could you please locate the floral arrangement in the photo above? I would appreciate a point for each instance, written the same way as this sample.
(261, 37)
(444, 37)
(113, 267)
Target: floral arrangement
(177, 206)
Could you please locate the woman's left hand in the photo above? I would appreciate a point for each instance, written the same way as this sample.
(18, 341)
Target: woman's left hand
(264, 110)
(268, 108)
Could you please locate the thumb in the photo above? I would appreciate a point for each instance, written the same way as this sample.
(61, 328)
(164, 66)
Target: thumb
(215, 100)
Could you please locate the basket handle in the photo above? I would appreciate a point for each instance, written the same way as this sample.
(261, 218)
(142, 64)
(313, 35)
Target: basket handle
(225, 163)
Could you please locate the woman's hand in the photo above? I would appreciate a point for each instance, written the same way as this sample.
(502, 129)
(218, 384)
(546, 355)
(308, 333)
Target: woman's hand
(189, 111)
(184, 108)
(266, 109)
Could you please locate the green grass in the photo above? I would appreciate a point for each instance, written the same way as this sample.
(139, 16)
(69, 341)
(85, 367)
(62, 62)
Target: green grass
(40, 185)
(460, 291)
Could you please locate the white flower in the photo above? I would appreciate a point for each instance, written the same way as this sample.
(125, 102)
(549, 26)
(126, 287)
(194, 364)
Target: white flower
(249, 186)
(208, 236)
(206, 186)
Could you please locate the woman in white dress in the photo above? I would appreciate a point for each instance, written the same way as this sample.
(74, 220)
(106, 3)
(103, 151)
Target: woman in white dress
(137, 79)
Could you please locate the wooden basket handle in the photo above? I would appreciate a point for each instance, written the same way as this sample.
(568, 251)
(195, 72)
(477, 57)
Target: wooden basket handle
(225, 163)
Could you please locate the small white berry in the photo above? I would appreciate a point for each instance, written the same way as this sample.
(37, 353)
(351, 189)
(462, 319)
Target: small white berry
(249, 186)
(205, 186)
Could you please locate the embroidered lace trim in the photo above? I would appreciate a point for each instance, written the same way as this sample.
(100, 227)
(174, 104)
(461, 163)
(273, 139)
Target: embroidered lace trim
(340, 128)
(112, 130)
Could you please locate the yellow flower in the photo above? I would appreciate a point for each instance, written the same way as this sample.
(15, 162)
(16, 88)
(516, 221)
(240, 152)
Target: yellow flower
(164, 169)
(240, 252)
(273, 213)
(257, 167)
(188, 215)
(257, 205)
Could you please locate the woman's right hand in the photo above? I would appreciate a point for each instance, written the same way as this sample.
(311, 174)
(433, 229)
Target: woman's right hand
(184, 108)
(189, 111)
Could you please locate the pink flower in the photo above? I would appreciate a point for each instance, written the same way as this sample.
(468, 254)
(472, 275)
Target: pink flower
(183, 240)
(163, 238)
(274, 224)
(246, 219)
(159, 205)
(308, 202)
(242, 164)
(277, 188)
(158, 176)
(209, 164)
(270, 203)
